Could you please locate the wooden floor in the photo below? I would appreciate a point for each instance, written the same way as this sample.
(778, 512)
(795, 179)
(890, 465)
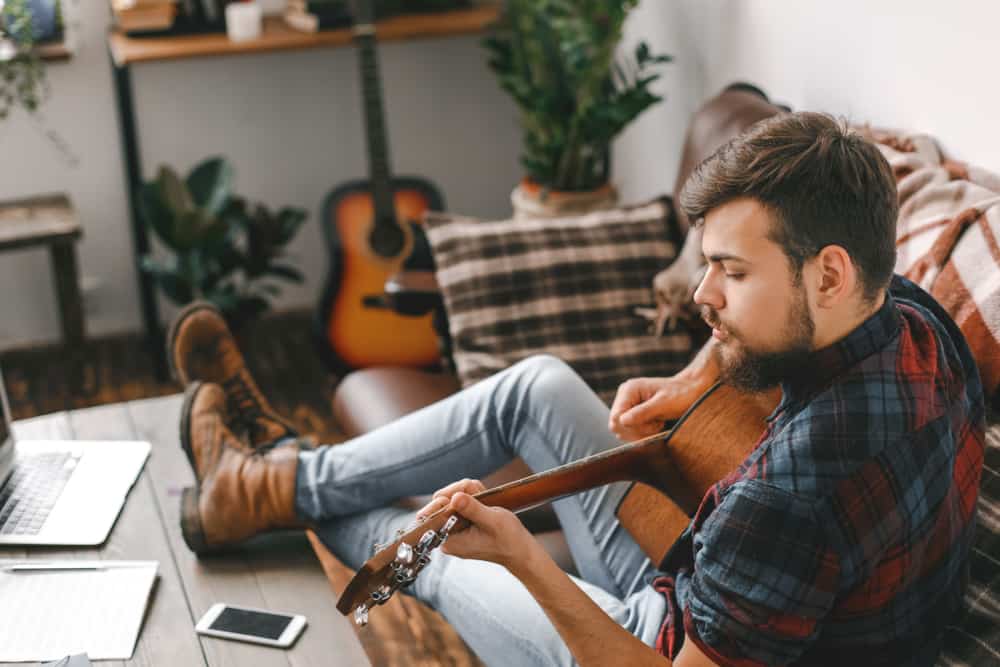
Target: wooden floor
(280, 352)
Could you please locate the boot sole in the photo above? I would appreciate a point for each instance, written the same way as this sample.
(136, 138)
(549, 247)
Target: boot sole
(191, 529)
(174, 329)
(189, 395)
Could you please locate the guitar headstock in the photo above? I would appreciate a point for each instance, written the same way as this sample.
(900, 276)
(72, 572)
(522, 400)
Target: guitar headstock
(396, 565)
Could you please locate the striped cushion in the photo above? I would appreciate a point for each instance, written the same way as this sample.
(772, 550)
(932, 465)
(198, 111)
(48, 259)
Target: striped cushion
(974, 640)
(565, 286)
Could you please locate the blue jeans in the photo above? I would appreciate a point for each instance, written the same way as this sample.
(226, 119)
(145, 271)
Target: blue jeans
(539, 410)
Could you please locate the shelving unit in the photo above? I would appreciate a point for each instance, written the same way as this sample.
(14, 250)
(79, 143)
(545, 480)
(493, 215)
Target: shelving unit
(277, 36)
(125, 51)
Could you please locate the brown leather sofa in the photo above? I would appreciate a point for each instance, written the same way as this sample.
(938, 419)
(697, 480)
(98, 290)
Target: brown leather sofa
(368, 398)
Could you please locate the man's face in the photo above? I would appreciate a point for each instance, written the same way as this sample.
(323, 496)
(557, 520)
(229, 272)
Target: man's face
(757, 307)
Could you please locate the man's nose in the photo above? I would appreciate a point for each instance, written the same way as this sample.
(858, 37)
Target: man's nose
(708, 292)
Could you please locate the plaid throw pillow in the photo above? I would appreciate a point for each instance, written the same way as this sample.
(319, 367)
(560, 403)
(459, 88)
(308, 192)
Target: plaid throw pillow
(566, 286)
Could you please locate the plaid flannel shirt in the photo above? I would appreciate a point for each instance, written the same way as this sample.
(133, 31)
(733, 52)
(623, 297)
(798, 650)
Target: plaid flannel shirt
(843, 538)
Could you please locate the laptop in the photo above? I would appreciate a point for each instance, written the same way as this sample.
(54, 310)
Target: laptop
(62, 492)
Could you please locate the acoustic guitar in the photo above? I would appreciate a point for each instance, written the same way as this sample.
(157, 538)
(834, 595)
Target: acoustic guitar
(672, 471)
(372, 232)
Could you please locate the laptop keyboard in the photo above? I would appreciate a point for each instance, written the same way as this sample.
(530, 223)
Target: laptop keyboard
(31, 491)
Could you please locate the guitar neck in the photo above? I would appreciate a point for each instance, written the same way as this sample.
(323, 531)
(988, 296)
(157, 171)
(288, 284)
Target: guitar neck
(632, 461)
(635, 461)
(375, 130)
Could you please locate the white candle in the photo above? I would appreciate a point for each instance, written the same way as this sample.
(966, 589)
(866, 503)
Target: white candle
(243, 21)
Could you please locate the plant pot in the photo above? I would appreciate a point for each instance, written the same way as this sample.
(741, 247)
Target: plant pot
(531, 200)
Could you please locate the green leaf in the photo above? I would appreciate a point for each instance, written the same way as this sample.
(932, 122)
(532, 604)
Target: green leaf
(224, 298)
(187, 230)
(156, 213)
(289, 221)
(269, 288)
(173, 283)
(289, 272)
(210, 183)
(174, 192)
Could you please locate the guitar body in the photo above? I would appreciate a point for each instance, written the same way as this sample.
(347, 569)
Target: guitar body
(353, 334)
(712, 442)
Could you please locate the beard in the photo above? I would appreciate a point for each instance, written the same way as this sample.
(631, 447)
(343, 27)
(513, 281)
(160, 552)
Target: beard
(754, 370)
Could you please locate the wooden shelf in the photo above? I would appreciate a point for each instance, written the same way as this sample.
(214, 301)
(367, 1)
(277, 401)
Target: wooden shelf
(277, 36)
(54, 51)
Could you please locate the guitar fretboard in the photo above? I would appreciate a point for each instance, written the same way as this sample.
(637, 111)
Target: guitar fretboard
(375, 131)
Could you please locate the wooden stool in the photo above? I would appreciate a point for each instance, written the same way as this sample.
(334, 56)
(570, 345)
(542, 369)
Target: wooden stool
(50, 220)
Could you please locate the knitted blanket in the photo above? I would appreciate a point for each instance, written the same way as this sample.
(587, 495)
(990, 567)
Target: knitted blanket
(948, 240)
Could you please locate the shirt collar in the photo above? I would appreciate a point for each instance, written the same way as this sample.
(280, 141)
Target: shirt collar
(824, 365)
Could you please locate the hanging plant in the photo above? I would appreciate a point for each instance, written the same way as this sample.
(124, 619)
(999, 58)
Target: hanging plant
(22, 72)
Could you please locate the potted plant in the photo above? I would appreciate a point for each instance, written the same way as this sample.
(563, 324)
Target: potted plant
(222, 249)
(558, 60)
(22, 73)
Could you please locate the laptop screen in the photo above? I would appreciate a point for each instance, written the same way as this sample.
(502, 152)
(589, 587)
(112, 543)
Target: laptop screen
(6, 436)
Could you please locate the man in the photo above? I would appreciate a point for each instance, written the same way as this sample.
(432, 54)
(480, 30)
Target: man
(842, 538)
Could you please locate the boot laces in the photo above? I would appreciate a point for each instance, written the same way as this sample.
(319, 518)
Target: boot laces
(244, 401)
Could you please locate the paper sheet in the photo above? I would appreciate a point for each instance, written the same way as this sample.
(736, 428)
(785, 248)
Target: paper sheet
(49, 614)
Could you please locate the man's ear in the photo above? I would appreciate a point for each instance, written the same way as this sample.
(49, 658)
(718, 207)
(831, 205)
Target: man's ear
(835, 277)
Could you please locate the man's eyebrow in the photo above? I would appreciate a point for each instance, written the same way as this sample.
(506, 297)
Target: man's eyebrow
(722, 257)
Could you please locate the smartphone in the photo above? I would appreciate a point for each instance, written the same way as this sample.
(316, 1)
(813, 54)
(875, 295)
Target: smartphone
(251, 625)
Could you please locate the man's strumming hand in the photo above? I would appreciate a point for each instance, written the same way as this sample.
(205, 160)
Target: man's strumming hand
(643, 404)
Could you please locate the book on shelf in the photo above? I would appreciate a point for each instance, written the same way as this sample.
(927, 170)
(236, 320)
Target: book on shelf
(141, 15)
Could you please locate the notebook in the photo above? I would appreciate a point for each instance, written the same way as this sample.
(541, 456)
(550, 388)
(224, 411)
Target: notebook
(56, 608)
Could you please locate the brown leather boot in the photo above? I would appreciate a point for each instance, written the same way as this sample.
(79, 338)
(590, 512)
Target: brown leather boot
(240, 493)
(204, 411)
(201, 347)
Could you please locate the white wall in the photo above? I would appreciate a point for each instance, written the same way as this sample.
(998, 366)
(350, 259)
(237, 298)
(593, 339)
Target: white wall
(290, 121)
(923, 65)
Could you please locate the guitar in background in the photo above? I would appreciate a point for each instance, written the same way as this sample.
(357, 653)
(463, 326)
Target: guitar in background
(373, 231)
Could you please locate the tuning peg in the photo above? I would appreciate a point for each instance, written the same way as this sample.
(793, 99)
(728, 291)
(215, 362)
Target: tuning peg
(404, 553)
(427, 542)
(382, 594)
(361, 615)
(404, 577)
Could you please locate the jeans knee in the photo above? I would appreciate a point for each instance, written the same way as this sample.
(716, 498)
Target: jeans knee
(549, 377)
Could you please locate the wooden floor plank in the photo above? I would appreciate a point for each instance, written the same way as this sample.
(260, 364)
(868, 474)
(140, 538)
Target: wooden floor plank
(206, 581)
(167, 636)
(278, 573)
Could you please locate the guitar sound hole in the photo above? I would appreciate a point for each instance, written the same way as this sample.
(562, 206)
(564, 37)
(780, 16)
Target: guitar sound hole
(387, 239)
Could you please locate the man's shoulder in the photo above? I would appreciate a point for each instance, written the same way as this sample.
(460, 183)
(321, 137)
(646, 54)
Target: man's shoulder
(866, 413)
(932, 339)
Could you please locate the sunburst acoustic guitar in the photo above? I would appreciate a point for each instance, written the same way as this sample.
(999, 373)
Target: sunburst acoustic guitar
(372, 232)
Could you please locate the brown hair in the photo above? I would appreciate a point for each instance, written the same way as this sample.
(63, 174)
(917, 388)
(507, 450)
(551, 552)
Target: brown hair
(823, 183)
